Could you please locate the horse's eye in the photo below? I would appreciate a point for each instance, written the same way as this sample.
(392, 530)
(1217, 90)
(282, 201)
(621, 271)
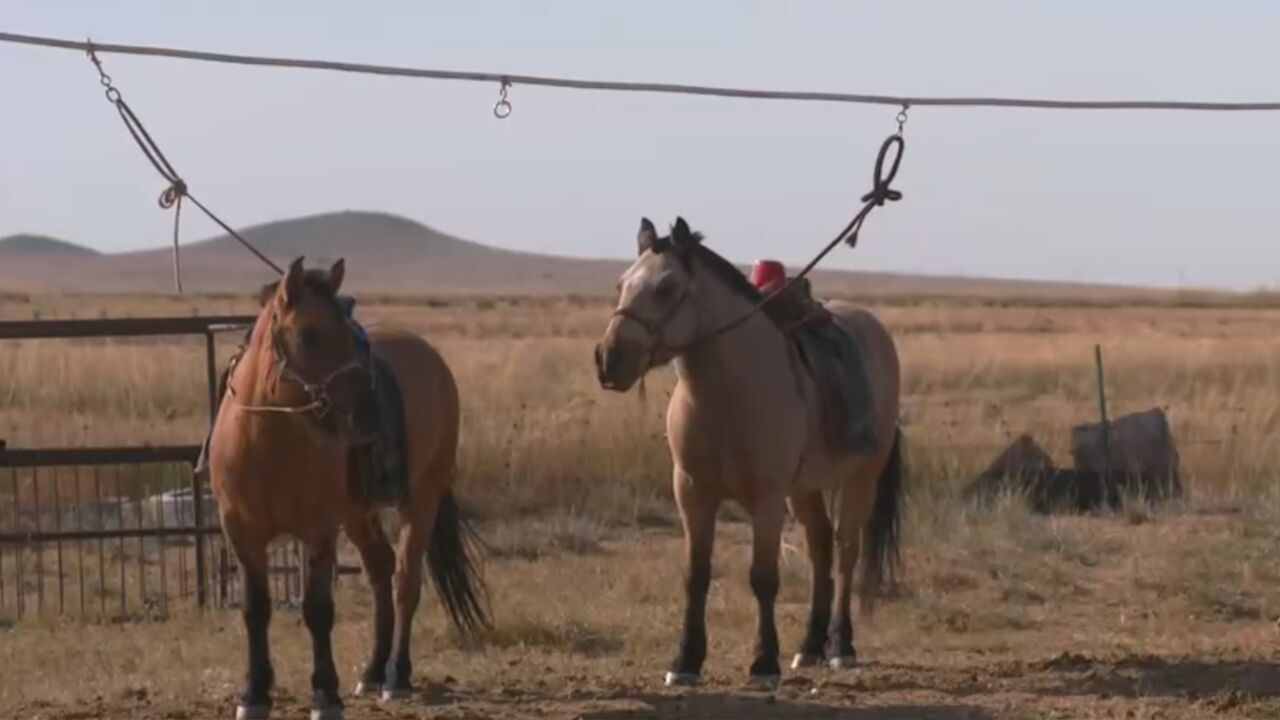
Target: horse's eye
(309, 337)
(665, 290)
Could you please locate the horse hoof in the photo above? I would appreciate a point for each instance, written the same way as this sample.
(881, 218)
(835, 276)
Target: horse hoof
(844, 662)
(253, 712)
(764, 682)
(805, 660)
(389, 694)
(364, 689)
(675, 679)
(329, 713)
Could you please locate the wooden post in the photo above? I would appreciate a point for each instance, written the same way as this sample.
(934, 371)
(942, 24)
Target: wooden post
(1102, 409)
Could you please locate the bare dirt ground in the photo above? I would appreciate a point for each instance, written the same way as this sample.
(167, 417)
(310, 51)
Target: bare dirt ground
(1121, 616)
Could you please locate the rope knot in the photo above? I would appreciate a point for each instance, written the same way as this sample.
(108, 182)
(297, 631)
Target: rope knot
(882, 194)
(173, 194)
(880, 190)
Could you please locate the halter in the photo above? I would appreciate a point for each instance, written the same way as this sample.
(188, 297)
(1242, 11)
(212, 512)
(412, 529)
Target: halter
(655, 328)
(321, 404)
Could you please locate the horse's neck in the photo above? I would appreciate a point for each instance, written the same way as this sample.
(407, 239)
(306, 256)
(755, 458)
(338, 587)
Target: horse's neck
(752, 352)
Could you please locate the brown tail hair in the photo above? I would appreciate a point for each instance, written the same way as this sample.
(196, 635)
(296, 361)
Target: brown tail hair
(451, 558)
(882, 536)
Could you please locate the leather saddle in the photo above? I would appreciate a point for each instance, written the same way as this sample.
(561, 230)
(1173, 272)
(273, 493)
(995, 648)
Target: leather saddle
(832, 357)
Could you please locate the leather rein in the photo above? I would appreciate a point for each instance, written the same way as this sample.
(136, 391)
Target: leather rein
(880, 193)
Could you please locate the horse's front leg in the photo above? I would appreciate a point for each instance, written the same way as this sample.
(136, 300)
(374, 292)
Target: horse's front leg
(766, 538)
(317, 611)
(698, 512)
(255, 604)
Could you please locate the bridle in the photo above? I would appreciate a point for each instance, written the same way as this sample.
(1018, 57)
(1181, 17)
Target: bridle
(320, 404)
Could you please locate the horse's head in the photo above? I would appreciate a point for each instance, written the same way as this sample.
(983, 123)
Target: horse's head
(315, 352)
(654, 318)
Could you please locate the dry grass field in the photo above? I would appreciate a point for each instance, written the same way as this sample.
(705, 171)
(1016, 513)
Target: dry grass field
(1161, 612)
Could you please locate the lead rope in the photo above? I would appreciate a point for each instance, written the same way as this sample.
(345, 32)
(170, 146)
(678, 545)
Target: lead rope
(880, 194)
(173, 195)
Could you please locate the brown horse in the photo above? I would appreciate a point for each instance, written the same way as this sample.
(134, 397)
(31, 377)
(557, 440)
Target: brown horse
(744, 423)
(297, 401)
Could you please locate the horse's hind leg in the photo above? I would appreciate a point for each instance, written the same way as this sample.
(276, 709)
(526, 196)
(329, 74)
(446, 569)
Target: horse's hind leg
(852, 516)
(415, 533)
(379, 562)
(810, 510)
(317, 611)
(255, 603)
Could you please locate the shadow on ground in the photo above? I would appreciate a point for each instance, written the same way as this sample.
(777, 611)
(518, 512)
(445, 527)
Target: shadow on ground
(1161, 677)
(723, 706)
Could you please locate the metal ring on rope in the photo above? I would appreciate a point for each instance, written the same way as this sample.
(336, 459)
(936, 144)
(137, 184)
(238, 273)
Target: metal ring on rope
(502, 108)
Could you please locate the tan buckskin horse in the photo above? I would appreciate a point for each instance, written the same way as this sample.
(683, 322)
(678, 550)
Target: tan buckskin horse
(297, 401)
(744, 423)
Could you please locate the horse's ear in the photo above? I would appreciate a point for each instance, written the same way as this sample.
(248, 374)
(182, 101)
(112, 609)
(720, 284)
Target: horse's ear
(336, 274)
(682, 237)
(291, 283)
(647, 239)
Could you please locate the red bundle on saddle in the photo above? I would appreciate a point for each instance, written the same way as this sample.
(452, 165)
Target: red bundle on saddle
(768, 275)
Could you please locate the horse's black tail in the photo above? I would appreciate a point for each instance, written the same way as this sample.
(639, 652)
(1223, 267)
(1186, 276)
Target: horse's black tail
(882, 535)
(451, 558)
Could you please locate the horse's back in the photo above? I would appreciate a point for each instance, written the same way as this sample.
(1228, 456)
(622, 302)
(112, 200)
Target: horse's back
(431, 405)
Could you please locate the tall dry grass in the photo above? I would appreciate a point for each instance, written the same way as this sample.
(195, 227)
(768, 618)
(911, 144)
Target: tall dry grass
(540, 436)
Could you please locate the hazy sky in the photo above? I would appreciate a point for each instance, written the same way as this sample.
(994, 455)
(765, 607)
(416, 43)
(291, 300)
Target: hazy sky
(1156, 198)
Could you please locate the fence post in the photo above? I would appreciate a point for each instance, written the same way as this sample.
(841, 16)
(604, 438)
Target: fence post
(1102, 409)
(197, 492)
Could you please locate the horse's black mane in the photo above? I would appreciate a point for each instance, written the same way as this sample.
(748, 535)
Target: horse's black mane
(726, 271)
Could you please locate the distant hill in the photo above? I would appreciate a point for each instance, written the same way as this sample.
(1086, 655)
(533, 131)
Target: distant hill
(21, 246)
(391, 254)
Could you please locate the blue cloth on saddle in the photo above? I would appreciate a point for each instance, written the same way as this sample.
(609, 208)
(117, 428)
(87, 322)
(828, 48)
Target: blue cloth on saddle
(833, 356)
(382, 467)
(386, 466)
(348, 305)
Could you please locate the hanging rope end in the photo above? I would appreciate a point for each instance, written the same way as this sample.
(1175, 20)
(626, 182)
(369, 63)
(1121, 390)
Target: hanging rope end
(177, 226)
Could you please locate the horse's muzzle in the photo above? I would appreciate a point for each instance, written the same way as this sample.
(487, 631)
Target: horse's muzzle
(612, 369)
(606, 366)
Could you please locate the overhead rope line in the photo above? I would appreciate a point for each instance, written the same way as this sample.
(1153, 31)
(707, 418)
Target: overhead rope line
(177, 190)
(507, 80)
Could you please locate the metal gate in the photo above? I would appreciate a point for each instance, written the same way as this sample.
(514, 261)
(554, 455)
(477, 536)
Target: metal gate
(119, 532)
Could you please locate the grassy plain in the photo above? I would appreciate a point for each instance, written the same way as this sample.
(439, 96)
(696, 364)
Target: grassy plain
(1151, 612)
